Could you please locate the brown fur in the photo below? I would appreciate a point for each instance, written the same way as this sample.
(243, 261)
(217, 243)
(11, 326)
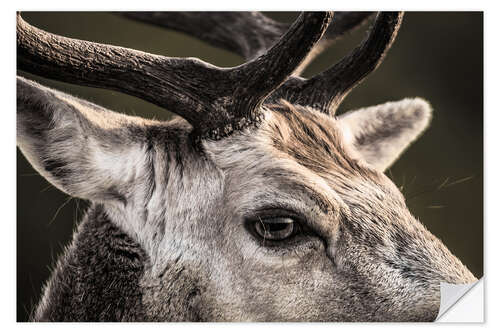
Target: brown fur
(313, 141)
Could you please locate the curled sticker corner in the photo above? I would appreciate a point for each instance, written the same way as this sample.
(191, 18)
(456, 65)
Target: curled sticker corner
(451, 294)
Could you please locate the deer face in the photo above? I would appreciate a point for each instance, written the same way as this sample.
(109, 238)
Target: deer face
(289, 221)
(315, 232)
(252, 208)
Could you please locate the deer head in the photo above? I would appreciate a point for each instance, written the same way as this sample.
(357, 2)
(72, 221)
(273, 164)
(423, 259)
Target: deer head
(259, 204)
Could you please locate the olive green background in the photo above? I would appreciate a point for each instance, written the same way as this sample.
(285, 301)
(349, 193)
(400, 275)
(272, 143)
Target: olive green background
(437, 56)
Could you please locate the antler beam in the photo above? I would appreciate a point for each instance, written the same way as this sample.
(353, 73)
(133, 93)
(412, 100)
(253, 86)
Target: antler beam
(214, 100)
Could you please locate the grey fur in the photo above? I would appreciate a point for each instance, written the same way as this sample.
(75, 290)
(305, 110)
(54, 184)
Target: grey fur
(166, 237)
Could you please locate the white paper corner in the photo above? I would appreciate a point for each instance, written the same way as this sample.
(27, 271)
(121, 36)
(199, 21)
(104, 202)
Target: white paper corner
(462, 303)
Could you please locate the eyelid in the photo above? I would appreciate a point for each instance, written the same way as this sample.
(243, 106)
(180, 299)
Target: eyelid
(276, 212)
(280, 212)
(307, 223)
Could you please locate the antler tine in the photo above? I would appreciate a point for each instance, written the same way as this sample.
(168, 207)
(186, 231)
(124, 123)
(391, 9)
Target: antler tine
(326, 90)
(248, 34)
(214, 100)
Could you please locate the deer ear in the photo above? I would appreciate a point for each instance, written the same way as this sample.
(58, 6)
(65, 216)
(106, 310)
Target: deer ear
(81, 148)
(381, 133)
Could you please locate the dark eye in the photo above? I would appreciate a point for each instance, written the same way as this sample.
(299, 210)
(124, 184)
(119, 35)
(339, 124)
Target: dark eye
(275, 228)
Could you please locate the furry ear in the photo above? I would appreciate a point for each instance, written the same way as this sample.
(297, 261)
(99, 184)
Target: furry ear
(81, 148)
(381, 133)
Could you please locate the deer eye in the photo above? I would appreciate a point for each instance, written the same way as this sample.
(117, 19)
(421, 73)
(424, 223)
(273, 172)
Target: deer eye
(275, 228)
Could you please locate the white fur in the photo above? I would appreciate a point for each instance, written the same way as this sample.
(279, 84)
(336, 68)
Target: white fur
(392, 126)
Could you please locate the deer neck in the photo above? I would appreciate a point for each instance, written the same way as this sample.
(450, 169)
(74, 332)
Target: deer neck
(100, 277)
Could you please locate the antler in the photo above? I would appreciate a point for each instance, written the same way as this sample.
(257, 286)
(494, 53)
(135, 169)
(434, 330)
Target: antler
(326, 90)
(251, 33)
(248, 34)
(214, 100)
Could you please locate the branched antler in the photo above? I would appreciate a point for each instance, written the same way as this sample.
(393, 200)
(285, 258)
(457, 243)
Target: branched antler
(214, 100)
(248, 34)
(326, 90)
(251, 33)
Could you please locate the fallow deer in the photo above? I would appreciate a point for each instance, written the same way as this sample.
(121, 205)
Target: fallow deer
(257, 205)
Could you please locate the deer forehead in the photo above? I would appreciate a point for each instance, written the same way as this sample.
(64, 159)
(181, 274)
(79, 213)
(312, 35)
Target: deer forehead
(300, 142)
(300, 154)
(287, 132)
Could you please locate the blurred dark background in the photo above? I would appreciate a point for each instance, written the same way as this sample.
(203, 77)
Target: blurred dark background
(437, 56)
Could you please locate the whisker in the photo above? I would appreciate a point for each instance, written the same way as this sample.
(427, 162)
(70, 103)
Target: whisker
(59, 209)
(443, 183)
(459, 181)
(46, 188)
